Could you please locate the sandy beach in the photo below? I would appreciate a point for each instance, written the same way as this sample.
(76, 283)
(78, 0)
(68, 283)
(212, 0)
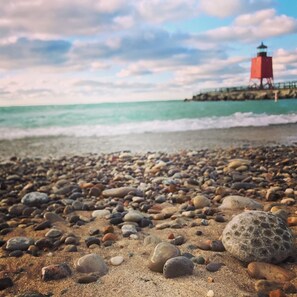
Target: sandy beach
(162, 188)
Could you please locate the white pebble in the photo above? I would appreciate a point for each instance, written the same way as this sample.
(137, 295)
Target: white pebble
(116, 261)
(210, 293)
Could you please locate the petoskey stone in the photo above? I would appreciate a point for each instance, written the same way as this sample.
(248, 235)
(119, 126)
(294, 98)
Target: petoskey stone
(258, 236)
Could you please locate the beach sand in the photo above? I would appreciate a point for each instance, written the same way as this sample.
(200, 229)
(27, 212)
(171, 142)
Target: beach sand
(201, 172)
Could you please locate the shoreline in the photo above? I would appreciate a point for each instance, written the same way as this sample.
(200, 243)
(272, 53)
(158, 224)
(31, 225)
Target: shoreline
(42, 147)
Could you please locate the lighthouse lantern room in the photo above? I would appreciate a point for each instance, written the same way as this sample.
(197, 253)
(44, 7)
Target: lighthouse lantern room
(261, 69)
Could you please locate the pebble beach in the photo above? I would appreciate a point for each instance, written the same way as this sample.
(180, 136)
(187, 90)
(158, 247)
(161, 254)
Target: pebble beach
(150, 224)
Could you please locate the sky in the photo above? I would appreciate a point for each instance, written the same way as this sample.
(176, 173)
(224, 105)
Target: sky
(92, 51)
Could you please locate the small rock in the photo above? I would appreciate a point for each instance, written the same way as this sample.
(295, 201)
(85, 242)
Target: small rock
(86, 279)
(92, 263)
(5, 282)
(56, 271)
(53, 233)
(200, 201)
(19, 243)
(92, 240)
(119, 192)
(265, 286)
(43, 225)
(116, 261)
(162, 252)
(127, 230)
(217, 246)
(213, 267)
(101, 213)
(178, 266)
(53, 217)
(133, 216)
(210, 293)
(239, 202)
(35, 199)
(269, 272)
(151, 240)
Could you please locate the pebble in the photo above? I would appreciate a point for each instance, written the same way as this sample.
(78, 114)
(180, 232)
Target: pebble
(5, 282)
(198, 260)
(18, 243)
(52, 233)
(151, 240)
(101, 213)
(258, 236)
(43, 225)
(239, 202)
(213, 267)
(55, 271)
(178, 266)
(116, 261)
(86, 279)
(265, 286)
(270, 272)
(210, 293)
(127, 230)
(53, 217)
(92, 240)
(200, 201)
(133, 216)
(35, 199)
(91, 263)
(119, 192)
(162, 252)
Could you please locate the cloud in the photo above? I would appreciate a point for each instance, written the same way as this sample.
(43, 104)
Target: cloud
(27, 53)
(226, 8)
(263, 24)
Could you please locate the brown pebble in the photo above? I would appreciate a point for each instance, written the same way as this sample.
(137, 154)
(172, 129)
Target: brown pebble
(109, 237)
(292, 221)
(277, 293)
(108, 229)
(87, 279)
(270, 272)
(265, 286)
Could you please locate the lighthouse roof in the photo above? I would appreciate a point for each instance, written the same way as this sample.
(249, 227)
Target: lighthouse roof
(262, 45)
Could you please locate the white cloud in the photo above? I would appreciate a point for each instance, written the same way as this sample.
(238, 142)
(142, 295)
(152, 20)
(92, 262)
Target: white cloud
(253, 27)
(226, 8)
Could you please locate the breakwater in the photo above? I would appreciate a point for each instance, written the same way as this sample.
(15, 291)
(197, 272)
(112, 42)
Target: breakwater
(281, 90)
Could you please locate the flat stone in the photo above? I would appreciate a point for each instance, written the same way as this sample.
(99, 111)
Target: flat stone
(239, 202)
(55, 271)
(86, 279)
(162, 252)
(35, 199)
(101, 213)
(178, 266)
(92, 263)
(270, 272)
(258, 236)
(235, 163)
(19, 243)
(213, 266)
(265, 286)
(118, 192)
(53, 217)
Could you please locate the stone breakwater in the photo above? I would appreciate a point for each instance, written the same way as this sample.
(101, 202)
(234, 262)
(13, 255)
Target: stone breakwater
(245, 95)
(126, 223)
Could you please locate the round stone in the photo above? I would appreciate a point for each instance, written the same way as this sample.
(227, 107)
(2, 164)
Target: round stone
(258, 236)
(19, 243)
(52, 233)
(91, 263)
(162, 252)
(178, 266)
(116, 261)
(200, 201)
(35, 199)
(127, 230)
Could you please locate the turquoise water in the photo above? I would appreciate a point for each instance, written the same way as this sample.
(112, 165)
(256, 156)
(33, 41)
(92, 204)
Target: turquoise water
(141, 117)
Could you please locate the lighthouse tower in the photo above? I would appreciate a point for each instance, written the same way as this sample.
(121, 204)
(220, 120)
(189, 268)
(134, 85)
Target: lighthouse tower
(261, 69)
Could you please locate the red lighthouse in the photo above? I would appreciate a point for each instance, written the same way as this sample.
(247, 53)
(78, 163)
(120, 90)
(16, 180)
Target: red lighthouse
(261, 69)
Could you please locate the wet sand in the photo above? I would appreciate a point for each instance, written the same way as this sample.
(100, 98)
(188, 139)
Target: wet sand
(165, 142)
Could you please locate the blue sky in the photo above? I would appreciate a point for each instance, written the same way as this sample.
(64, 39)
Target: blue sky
(91, 51)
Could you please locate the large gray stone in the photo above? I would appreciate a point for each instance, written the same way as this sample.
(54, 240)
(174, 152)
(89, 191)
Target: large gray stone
(19, 243)
(178, 266)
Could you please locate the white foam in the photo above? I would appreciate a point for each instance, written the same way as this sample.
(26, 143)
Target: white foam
(236, 120)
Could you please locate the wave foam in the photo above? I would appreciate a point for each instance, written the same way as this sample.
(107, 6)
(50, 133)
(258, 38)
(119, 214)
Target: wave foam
(236, 120)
